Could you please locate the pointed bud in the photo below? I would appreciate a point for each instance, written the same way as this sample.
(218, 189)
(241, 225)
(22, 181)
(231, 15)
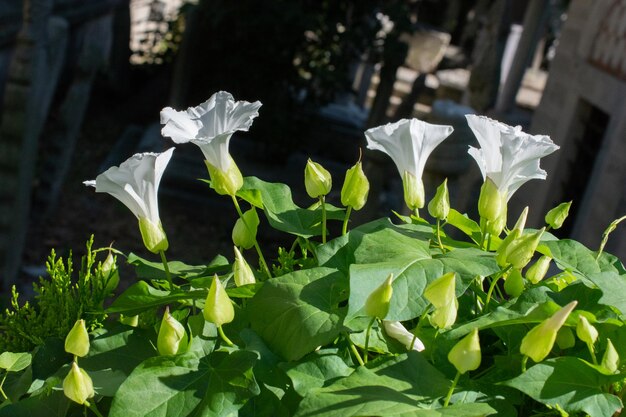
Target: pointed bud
(539, 341)
(241, 270)
(610, 360)
(77, 385)
(521, 251)
(110, 274)
(556, 216)
(466, 355)
(377, 304)
(153, 235)
(317, 180)
(585, 331)
(521, 221)
(218, 309)
(355, 188)
(505, 247)
(225, 182)
(441, 294)
(491, 204)
(413, 191)
(514, 283)
(439, 206)
(245, 230)
(565, 338)
(172, 337)
(539, 269)
(396, 330)
(77, 340)
(132, 321)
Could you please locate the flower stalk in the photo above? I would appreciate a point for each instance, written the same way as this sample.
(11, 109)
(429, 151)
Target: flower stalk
(256, 243)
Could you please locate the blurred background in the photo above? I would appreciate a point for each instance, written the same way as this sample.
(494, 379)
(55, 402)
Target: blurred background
(82, 83)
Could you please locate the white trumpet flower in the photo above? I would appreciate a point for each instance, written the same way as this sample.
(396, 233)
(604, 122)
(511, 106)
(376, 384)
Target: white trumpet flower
(135, 183)
(396, 330)
(508, 156)
(409, 143)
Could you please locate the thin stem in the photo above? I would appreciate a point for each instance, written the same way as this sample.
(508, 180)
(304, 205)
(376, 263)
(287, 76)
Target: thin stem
(167, 270)
(367, 337)
(439, 236)
(489, 243)
(2, 384)
(524, 360)
(417, 213)
(483, 235)
(224, 337)
(92, 406)
(256, 243)
(494, 282)
(354, 350)
(592, 353)
(452, 387)
(322, 199)
(344, 229)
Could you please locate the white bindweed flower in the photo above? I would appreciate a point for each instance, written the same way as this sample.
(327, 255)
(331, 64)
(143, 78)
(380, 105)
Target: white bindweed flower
(210, 126)
(508, 156)
(396, 330)
(409, 143)
(135, 183)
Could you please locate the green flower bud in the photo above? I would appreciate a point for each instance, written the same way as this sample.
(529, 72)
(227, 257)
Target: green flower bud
(439, 206)
(77, 385)
(225, 182)
(539, 269)
(317, 180)
(556, 216)
(521, 221)
(505, 247)
(245, 230)
(172, 337)
(585, 331)
(413, 191)
(377, 304)
(441, 294)
(495, 227)
(539, 341)
(241, 270)
(466, 355)
(132, 321)
(218, 309)
(153, 236)
(610, 360)
(491, 204)
(521, 251)
(110, 273)
(514, 283)
(355, 187)
(565, 338)
(77, 340)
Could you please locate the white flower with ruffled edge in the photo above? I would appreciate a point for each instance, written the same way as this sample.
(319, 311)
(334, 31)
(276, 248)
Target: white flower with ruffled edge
(508, 156)
(409, 143)
(210, 126)
(135, 183)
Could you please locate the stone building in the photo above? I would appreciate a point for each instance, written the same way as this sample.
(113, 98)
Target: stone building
(583, 109)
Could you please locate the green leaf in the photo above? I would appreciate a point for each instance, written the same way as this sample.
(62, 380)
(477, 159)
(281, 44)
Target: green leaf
(412, 273)
(155, 270)
(142, 296)
(316, 371)
(281, 212)
(613, 287)
(571, 383)
(177, 386)
(297, 312)
(464, 224)
(51, 404)
(574, 256)
(394, 387)
(15, 362)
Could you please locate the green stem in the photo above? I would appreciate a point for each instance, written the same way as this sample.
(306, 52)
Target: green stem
(256, 243)
(483, 236)
(592, 353)
(489, 243)
(344, 229)
(417, 213)
(443, 251)
(322, 202)
(354, 350)
(167, 270)
(367, 337)
(524, 360)
(452, 387)
(2, 384)
(92, 406)
(494, 282)
(224, 337)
